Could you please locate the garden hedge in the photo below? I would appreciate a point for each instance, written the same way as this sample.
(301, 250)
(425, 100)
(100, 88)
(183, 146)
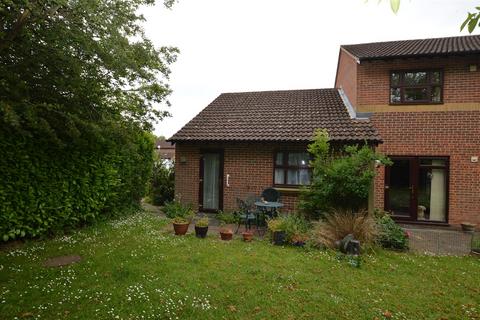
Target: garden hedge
(48, 186)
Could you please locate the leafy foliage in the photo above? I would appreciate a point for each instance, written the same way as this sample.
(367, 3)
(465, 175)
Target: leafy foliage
(178, 212)
(162, 183)
(227, 217)
(64, 63)
(79, 84)
(296, 227)
(472, 21)
(46, 188)
(202, 222)
(340, 180)
(391, 235)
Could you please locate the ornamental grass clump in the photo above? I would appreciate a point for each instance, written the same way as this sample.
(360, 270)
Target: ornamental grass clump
(341, 222)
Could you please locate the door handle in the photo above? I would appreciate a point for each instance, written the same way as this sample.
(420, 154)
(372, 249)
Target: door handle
(412, 190)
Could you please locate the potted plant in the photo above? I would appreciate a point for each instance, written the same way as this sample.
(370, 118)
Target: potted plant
(277, 227)
(247, 235)
(226, 233)
(201, 227)
(180, 214)
(468, 227)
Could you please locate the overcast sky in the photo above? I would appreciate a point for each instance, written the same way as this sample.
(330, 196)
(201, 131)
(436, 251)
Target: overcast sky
(253, 45)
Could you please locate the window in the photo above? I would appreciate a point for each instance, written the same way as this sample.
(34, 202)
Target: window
(292, 168)
(416, 87)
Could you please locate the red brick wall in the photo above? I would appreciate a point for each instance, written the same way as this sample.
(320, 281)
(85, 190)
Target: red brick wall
(450, 129)
(453, 134)
(460, 85)
(347, 76)
(250, 166)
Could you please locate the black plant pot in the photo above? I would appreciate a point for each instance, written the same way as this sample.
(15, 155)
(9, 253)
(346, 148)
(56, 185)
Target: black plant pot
(201, 232)
(279, 238)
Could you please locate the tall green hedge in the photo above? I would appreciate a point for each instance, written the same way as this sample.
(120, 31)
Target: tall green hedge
(47, 186)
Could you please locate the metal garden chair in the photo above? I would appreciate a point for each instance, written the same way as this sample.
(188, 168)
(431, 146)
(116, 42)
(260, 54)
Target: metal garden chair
(244, 215)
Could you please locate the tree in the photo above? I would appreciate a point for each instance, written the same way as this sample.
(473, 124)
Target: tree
(70, 64)
(79, 85)
(472, 20)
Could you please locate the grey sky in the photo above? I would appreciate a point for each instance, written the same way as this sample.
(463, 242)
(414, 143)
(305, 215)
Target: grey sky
(251, 45)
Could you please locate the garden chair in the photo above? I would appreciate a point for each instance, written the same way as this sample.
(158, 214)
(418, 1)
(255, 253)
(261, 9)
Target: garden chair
(244, 215)
(270, 195)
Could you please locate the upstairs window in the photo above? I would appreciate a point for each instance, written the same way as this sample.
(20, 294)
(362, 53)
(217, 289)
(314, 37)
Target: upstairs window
(416, 87)
(292, 169)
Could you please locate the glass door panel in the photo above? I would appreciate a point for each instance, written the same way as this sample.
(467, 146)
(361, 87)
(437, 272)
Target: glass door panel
(211, 181)
(432, 194)
(398, 188)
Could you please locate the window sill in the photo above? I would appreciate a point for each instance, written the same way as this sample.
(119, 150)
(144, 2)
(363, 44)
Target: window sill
(292, 190)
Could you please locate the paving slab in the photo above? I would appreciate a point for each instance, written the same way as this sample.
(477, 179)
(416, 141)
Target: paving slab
(438, 241)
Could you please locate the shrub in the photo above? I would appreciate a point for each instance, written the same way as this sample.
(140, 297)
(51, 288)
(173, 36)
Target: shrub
(296, 228)
(179, 213)
(341, 180)
(339, 223)
(47, 186)
(162, 183)
(391, 235)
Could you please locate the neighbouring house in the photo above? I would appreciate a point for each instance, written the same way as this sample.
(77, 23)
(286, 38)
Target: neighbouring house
(418, 101)
(165, 149)
(424, 100)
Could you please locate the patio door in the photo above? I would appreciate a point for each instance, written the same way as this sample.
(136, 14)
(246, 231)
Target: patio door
(211, 181)
(416, 188)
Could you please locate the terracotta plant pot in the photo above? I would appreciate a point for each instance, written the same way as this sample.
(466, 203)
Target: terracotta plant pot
(180, 228)
(468, 227)
(279, 238)
(226, 235)
(201, 232)
(247, 236)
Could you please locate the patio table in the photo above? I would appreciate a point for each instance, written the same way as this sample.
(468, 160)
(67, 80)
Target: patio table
(268, 207)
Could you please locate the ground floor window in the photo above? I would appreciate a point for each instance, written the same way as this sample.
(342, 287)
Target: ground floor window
(292, 168)
(416, 188)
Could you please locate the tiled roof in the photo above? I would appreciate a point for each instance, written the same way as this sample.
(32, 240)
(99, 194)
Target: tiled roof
(415, 48)
(291, 115)
(162, 144)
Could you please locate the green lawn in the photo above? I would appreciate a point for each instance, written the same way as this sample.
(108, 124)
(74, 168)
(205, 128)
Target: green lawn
(131, 269)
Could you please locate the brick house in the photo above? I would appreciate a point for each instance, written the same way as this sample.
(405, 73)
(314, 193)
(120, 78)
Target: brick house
(417, 100)
(242, 143)
(164, 149)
